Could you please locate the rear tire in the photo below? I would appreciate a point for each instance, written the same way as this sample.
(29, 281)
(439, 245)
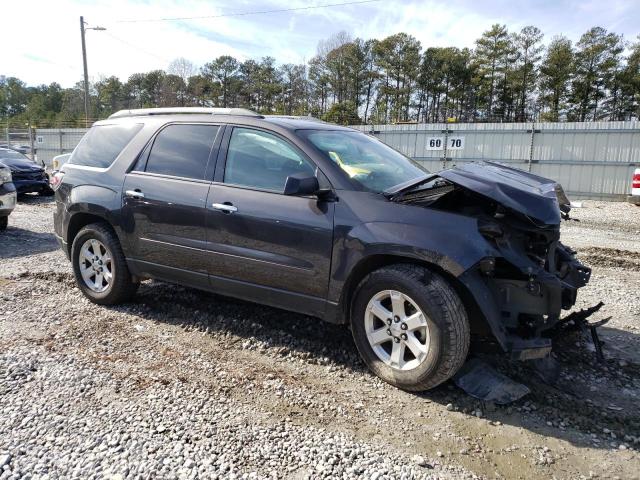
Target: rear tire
(425, 338)
(100, 267)
(4, 222)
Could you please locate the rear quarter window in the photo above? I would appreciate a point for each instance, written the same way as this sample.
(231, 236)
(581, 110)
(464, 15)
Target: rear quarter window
(102, 144)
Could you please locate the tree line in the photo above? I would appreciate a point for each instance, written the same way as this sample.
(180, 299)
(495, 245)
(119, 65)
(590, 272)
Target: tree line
(506, 77)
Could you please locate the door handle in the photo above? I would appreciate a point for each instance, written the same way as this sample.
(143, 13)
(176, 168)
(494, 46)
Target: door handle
(225, 207)
(134, 194)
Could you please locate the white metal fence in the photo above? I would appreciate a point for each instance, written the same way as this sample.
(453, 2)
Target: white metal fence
(20, 139)
(50, 142)
(591, 159)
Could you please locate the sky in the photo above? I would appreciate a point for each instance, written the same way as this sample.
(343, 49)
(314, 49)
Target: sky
(41, 39)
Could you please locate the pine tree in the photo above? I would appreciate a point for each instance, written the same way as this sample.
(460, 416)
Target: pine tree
(223, 70)
(555, 76)
(529, 49)
(490, 54)
(597, 58)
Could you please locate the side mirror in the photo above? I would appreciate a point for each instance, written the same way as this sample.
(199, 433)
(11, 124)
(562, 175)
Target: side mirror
(301, 184)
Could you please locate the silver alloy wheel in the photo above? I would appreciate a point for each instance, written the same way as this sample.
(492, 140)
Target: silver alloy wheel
(397, 330)
(96, 265)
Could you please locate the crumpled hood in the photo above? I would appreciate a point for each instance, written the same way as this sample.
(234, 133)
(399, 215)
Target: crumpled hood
(516, 189)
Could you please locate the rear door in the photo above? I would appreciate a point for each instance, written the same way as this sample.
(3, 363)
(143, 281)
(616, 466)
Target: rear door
(164, 203)
(275, 248)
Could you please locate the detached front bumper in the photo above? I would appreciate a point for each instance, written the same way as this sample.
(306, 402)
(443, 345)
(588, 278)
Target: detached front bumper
(521, 312)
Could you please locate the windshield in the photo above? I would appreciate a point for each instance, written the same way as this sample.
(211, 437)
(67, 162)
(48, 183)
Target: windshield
(365, 159)
(12, 155)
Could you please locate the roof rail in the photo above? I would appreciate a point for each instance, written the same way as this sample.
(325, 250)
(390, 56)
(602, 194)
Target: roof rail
(296, 117)
(185, 110)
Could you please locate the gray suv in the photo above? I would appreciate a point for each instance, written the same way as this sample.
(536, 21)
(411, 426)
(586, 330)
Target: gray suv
(322, 220)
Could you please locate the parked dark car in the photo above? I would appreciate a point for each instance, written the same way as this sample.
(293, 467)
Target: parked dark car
(322, 220)
(24, 149)
(7, 196)
(28, 176)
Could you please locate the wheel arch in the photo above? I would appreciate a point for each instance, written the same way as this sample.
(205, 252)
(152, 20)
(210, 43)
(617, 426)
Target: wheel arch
(85, 204)
(78, 221)
(477, 321)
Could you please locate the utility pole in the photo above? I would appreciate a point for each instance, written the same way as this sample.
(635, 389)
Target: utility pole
(83, 30)
(86, 74)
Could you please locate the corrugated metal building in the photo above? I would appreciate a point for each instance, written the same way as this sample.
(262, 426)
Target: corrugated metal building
(590, 159)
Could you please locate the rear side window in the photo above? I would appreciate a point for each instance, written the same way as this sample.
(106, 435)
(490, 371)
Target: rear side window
(102, 144)
(182, 151)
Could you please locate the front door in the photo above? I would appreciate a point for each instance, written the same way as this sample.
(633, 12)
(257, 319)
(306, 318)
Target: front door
(269, 244)
(164, 204)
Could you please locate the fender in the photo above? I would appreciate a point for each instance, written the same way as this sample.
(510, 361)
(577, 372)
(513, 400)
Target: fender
(435, 244)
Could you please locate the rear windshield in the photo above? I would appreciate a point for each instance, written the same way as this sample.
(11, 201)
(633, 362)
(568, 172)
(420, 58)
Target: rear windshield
(103, 143)
(12, 154)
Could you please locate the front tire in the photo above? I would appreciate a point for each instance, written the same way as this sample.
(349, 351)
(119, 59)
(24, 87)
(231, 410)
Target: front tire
(4, 222)
(410, 326)
(100, 267)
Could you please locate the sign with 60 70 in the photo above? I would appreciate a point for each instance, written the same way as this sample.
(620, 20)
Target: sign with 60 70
(437, 143)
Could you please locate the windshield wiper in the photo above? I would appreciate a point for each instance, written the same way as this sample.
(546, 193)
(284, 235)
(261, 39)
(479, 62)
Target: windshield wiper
(401, 187)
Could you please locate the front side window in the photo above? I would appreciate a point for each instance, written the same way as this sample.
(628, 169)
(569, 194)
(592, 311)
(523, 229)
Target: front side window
(182, 151)
(261, 160)
(368, 161)
(102, 144)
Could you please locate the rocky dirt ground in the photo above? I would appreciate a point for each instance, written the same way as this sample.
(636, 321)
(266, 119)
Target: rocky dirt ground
(186, 384)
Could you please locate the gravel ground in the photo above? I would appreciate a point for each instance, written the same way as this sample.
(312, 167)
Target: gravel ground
(186, 384)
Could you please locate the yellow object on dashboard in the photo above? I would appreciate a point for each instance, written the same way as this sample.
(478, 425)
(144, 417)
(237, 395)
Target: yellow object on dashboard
(351, 171)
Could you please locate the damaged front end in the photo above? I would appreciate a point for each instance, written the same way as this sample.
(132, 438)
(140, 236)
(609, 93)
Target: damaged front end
(522, 288)
(532, 280)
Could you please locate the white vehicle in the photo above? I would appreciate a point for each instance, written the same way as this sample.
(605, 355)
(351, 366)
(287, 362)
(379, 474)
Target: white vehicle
(635, 188)
(59, 160)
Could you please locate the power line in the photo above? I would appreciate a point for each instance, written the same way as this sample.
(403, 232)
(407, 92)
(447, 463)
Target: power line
(242, 14)
(135, 46)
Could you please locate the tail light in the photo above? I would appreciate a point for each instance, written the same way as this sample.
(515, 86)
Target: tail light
(635, 183)
(56, 179)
